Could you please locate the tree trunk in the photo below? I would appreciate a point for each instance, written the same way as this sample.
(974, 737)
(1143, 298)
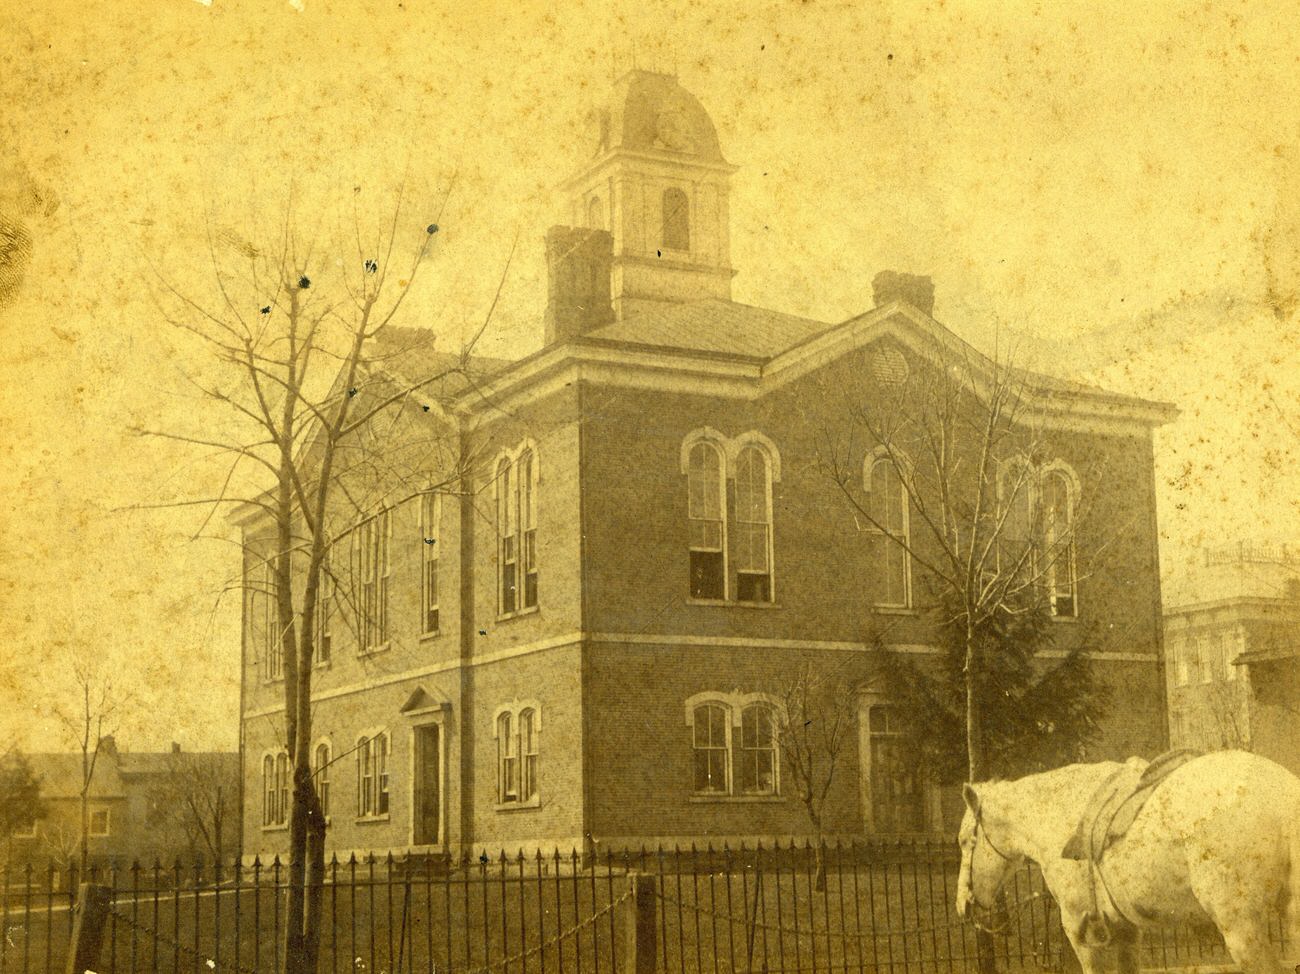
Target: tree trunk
(295, 947)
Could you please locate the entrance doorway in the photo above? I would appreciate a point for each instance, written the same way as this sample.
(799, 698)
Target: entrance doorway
(428, 785)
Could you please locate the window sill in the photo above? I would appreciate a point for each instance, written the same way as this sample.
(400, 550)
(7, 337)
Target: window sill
(735, 799)
(896, 610)
(374, 650)
(531, 610)
(733, 604)
(373, 819)
(282, 827)
(532, 803)
(425, 637)
(1069, 619)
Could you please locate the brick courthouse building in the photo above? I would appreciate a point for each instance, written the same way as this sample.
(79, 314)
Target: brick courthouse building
(590, 653)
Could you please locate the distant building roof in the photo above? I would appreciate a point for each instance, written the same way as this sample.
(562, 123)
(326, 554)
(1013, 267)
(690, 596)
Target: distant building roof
(61, 776)
(1241, 571)
(714, 325)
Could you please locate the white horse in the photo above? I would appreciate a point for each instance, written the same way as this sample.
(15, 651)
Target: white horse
(1217, 842)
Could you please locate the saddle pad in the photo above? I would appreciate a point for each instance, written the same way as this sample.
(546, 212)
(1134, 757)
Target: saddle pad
(1115, 805)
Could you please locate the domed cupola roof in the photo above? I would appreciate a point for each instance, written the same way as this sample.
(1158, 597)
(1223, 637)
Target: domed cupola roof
(652, 112)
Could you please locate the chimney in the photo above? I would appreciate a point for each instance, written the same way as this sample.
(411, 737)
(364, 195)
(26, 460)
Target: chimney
(916, 289)
(578, 262)
(176, 748)
(108, 744)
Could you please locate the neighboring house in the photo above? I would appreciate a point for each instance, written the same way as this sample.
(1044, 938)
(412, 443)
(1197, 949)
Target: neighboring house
(585, 642)
(1232, 639)
(125, 822)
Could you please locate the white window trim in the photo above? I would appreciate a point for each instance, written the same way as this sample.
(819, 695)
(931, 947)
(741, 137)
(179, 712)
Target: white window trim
(329, 772)
(718, 443)
(895, 460)
(369, 735)
(425, 548)
(734, 704)
(1074, 492)
(511, 458)
(730, 449)
(514, 708)
(276, 818)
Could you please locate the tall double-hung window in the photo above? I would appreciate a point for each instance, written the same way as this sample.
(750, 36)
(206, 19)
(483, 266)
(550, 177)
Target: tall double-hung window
(889, 539)
(517, 481)
(730, 545)
(373, 537)
(706, 504)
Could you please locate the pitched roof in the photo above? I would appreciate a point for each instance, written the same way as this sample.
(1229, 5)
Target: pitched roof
(713, 325)
(60, 776)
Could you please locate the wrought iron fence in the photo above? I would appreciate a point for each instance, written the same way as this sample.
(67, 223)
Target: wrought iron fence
(884, 906)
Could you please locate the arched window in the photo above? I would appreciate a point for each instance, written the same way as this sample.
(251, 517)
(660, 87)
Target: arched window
(758, 750)
(517, 727)
(273, 651)
(705, 506)
(372, 539)
(527, 481)
(372, 776)
(321, 777)
(281, 788)
(507, 760)
(712, 754)
(527, 755)
(753, 527)
(890, 537)
(1058, 538)
(430, 522)
(268, 790)
(508, 532)
(676, 220)
(517, 532)
(595, 214)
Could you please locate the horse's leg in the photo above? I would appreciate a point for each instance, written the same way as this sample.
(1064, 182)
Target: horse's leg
(1125, 940)
(1093, 959)
(1248, 941)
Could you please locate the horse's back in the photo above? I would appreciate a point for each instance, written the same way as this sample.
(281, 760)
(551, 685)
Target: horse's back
(1224, 819)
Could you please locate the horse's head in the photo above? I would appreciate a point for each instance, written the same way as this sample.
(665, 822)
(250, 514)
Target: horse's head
(984, 863)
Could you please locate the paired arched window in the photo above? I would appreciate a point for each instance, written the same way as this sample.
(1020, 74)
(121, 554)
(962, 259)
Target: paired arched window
(517, 480)
(372, 775)
(517, 728)
(890, 539)
(321, 776)
(735, 747)
(730, 545)
(1038, 536)
(275, 789)
(676, 220)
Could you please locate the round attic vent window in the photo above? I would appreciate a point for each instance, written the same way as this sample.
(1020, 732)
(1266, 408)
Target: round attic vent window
(889, 367)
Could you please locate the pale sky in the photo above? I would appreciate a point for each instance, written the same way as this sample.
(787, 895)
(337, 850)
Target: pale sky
(1113, 185)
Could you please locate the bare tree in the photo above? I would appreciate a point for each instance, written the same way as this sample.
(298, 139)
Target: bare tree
(817, 723)
(315, 386)
(196, 797)
(90, 722)
(955, 483)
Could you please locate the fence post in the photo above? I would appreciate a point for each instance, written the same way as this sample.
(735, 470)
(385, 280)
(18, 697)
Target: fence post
(639, 945)
(93, 902)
